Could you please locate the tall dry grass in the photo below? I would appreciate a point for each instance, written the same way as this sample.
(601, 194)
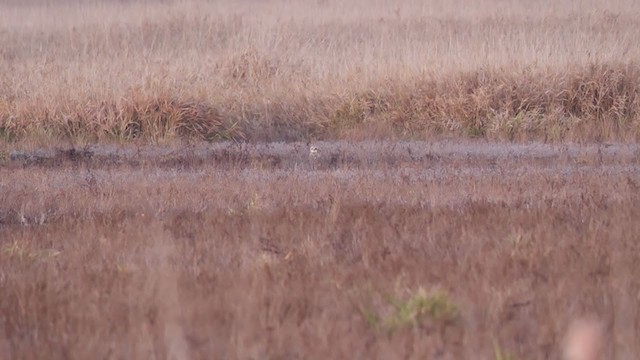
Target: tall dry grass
(158, 70)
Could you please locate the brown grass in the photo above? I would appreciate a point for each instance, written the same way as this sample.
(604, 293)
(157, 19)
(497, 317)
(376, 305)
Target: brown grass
(156, 71)
(394, 250)
(385, 248)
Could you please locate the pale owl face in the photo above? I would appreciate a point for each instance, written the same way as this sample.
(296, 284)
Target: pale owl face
(314, 151)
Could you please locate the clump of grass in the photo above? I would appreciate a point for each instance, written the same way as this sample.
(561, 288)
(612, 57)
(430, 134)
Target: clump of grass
(16, 249)
(150, 118)
(413, 310)
(420, 305)
(501, 354)
(594, 102)
(21, 251)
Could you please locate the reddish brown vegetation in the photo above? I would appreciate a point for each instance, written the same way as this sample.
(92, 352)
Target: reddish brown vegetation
(121, 248)
(244, 258)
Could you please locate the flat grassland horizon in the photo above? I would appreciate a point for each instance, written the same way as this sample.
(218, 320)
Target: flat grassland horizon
(87, 71)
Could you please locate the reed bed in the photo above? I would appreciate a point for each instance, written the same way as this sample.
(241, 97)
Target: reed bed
(90, 71)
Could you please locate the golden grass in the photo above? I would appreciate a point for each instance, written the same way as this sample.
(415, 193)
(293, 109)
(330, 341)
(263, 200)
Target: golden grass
(96, 71)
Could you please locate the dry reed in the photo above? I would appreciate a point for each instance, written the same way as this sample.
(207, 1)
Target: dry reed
(95, 71)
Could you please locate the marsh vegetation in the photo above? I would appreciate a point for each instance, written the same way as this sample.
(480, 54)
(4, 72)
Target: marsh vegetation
(475, 189)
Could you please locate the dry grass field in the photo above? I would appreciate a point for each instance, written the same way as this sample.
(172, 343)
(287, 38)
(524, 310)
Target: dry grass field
(386, 250)
(87, 70)
(475, 193)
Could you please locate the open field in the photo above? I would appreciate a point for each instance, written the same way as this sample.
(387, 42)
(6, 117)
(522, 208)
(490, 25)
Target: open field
(447, 250)
(475, 195)
(86, 71)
